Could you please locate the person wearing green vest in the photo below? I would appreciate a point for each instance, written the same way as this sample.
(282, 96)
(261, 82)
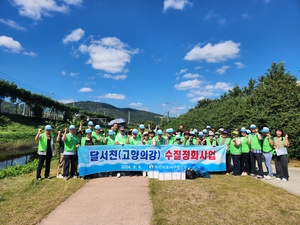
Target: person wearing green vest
(141, 131)
(281, 160)
(245, 148)
(98, 135)
(134, 140)
(235, 151)
(110, 140)
(186, 137)
(71, 142)
(146, 140)
(45, 151)
(225, 140)
(255, 152)
(159, 139)
(169, 139)
(177, 140)
(191, 140)
(121, 137)
(201, 140)
(210, 140)
(88, 139)
(267, 147)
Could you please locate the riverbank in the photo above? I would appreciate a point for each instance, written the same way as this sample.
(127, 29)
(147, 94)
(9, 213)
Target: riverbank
(9, 150)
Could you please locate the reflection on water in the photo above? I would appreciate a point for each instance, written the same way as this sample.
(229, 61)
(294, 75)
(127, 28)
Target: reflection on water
(18, 160)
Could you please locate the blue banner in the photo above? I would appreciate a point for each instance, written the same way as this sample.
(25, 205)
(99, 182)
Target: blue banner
(104, 158)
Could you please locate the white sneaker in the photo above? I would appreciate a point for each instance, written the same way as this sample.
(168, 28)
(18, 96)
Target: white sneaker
(118, 175)
(268, 177)
(278, 178)
(144, 174)
(74, 176)
(283, 179)
(59, 176)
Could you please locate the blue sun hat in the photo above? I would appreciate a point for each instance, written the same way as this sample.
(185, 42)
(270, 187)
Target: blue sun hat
(205, 131)
(200, 134)
(110, 132)
(159, 132)
(97, 127)
(142, 126)
(243, 129)
(265, 130)
(169, 130)
(72, 127)
(192, 133)
(177, 137)
(248, 131)
(195, 131)
(208, 127)
(48, 127)
(211, 133)
(134, 131)
(90, 123)
(88, 131)
(253, 126)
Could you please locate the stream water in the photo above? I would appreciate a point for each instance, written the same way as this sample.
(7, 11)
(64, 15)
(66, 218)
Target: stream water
(20, 159)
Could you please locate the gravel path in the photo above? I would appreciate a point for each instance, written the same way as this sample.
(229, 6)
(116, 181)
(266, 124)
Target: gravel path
(106, 201)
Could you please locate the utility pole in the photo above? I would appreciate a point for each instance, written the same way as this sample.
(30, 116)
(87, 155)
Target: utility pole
(128, 118)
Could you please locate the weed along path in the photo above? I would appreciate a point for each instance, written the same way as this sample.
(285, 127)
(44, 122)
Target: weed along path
(106, 201)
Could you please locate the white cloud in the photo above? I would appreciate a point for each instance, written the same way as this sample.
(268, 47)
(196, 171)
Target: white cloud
(198, 67)
(137, 104)
(176, 4)
(196, 99)
(222, 21)
(108, 54)
(222, 70)
(63, 73)
(116, 77)
(245, 16)
(13, 24)
(86, 89)
(181, 71)
(190, 76)
(196, 93)
(75, 35)
(73, 2)
(10, 44)
(30, 53)
(72, 74)
(219, 86)
(214, 53)
(113, 96)
(210, 15)
(240, 65)
(189, 84)
(66, 101)
(34, 9)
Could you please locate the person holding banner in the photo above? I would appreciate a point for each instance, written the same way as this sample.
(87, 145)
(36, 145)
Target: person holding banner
(121, 137)
(71, 142)
(281, 155)
(169, 139)
(177, 140)
(146, 140)
(192, 140)
(245, 155)
(267, 148)
(141, 131)
(210, 140)
(201, 140)
(98, 136)
(186, 137)
(225, 140)
(159, 139)
(110, 140)
(235, 152)
(134, 139)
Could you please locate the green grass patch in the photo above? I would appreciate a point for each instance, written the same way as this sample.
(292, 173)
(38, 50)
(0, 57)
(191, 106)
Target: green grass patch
(222, 200)
(24, 200)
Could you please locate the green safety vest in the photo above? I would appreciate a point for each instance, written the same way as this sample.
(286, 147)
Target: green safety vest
(110, 141)
(209, 143)
(245, 147)
(266, 145)
(121, 138)
(254, 142)
(134, 141)
(233, 149)
(70, 144)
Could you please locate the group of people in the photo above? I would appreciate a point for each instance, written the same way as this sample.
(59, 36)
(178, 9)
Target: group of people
(244, 147)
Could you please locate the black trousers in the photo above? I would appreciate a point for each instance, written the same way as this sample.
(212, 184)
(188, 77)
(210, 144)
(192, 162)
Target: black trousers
(42, 159)
(253, 158)
(236, 164)
(281, 166)
(69, 160)
(228, 163)
(245, 162)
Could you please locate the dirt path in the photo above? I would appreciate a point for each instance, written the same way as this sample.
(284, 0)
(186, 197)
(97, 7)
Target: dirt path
(106, 201)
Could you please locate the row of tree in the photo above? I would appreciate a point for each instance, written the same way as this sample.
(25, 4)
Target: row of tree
(37, 103)
(273, 101)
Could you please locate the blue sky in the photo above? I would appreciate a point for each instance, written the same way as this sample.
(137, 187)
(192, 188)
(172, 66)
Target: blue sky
(145, 53)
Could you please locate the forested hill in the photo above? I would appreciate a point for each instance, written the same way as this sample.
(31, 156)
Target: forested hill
(272, 101)
(136, 116)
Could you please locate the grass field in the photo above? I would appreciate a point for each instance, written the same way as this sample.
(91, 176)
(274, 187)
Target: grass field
(222, 200)
(24, 200)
